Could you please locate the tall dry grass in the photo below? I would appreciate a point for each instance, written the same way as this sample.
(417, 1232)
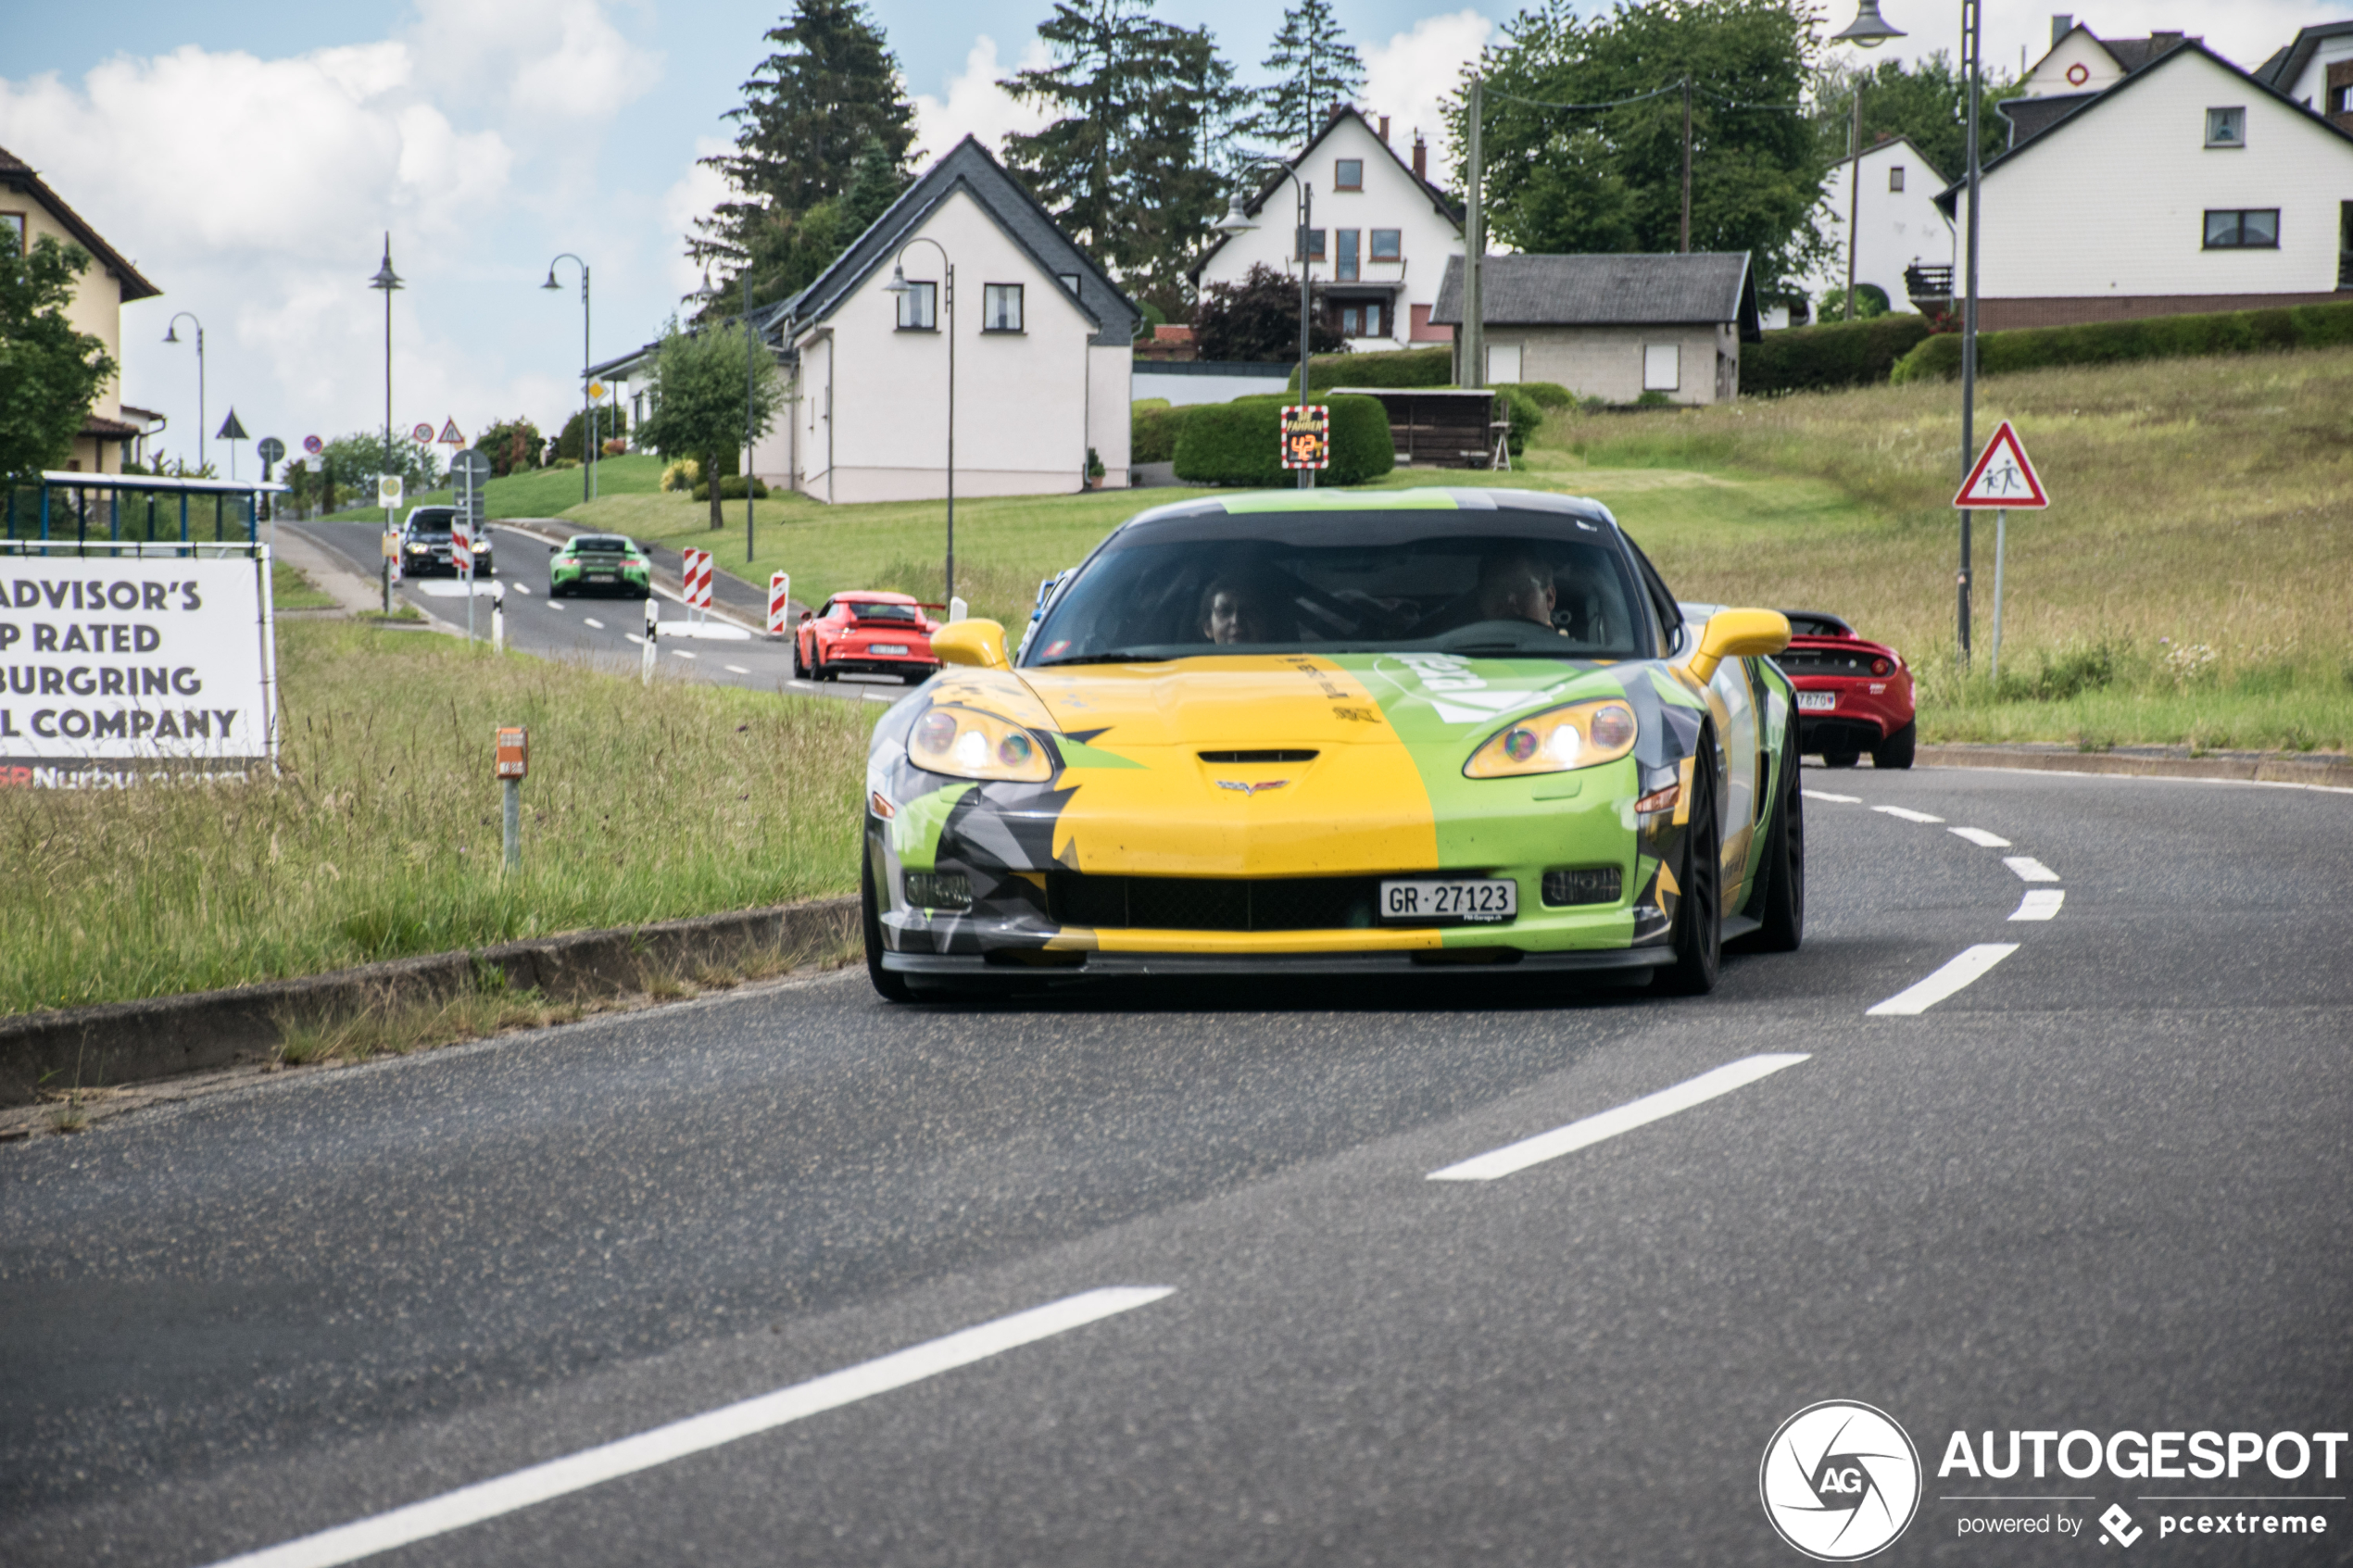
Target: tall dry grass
(381, 836)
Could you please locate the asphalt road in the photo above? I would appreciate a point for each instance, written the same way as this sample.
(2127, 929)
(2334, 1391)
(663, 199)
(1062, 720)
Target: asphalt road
(608, 633)
(2104, 1186)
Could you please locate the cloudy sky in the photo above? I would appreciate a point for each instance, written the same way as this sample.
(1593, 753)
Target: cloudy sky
(249, 154)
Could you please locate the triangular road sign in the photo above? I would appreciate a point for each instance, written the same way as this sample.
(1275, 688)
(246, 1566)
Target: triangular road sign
(449, 434)
(230, 429)
(2002, 477)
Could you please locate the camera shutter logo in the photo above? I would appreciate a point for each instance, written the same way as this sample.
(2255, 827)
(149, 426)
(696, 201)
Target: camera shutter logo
(1840, 1481)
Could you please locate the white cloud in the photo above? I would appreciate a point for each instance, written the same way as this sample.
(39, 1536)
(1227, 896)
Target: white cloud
(1410, 77)
(976, 107)
(697, 192)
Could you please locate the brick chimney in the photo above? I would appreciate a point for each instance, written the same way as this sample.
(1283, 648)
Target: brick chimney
(1384, 131)
(1421, 158)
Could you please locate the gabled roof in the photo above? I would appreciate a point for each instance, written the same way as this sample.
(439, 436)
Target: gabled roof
(1630, 290)
(17, 175)
(1949, 198)
(2030, 117)
(969, 168)
(1446, 207)
(1888, 143)
(2280, 72)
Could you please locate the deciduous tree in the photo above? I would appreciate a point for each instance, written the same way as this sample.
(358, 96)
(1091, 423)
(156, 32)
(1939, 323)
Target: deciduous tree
(49, 373)
(697, 397)
(1257, 320)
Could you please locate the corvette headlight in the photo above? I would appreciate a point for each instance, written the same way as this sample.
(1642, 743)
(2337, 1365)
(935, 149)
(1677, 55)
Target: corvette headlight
(967, 744)
(1584, 734)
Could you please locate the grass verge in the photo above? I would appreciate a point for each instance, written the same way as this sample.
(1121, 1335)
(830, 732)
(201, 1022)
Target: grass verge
(289, 589)
(380, 835)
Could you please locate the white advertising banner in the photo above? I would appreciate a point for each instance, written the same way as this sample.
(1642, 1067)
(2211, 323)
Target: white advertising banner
(119, 658)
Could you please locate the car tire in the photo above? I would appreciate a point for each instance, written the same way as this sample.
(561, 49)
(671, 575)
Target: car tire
(554, 592)
(1697, 938)
(799, 671)
(889, 986)
(1895, 751)
(1779, 905)
(1841, 759)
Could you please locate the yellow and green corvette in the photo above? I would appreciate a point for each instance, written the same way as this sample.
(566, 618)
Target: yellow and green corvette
(1326, 731)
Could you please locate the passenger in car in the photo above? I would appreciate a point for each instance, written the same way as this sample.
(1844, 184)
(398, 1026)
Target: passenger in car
(1515, 585)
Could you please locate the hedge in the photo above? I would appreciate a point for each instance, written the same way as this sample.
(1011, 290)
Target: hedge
(2151, 338)
(1240, 443)
(1403, 366)
(1835, 355)
(731, 488)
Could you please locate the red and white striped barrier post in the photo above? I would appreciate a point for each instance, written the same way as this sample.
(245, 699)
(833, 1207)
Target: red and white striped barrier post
(695, 580)
(462, 564)
(779, 601)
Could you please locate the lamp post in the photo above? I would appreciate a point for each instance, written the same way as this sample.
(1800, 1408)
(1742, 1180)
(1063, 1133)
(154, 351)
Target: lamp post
(1870, 31)
(899, 285)
(1238, 221)
(752, 381)
(385, 282)
(171, 334)
(587, 459)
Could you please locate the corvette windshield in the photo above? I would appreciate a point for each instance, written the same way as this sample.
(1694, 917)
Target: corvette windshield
(1502, 584)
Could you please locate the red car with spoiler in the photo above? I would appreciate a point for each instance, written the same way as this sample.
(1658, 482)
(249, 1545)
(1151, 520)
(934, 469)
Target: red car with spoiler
(1853, 696)
(865, 633)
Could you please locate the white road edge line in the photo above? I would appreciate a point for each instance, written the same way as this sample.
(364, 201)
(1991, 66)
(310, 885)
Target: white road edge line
(2040, 903)
(539, 1482)
(1519, 1155)
(1906, 814)
(1980, 837)
(1826, 795)
(1964, 971)
(2029, 869)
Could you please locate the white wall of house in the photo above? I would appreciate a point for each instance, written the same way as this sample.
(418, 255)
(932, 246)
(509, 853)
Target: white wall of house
(2113, 203)
(1898, 223)
(1702, 358)
(2077, 63)
(1390, 199)
(870, 416)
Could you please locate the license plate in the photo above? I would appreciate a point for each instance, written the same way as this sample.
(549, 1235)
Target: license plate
(1464, 901)
(600, 577)
(885, 647)
(1817, 702)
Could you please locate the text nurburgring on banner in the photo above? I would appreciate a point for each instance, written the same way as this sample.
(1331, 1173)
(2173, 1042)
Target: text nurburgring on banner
(106, 656)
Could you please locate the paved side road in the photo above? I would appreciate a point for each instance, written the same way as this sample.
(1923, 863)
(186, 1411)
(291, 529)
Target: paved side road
(2095, 1181)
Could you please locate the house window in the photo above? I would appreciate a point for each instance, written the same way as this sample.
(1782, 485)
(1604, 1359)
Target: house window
(2341, 101)
(1502, 363)
(1344, 268)
(918, 308)
(1388, 245)
(2249, 229)
(1315, 243)
(1070, 281)
(1362, 320)
(1348, 174)
(1895, 177)
(12, 231)
(1000, 308)
(2226, 127)
(1662, 367)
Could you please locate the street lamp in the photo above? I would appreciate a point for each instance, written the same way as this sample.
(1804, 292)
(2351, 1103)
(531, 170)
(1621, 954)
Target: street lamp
(171, 334)
(1869, 30)
(899, 285)
(1239, 221)
(588, 461)
(385, 282)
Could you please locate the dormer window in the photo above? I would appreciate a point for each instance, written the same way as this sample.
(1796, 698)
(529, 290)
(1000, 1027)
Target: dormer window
(2226, 127)
(1348, 174)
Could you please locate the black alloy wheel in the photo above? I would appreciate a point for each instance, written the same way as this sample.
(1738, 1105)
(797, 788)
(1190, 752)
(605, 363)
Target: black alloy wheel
(891, 987)
(1895, 751)
(1697, 940)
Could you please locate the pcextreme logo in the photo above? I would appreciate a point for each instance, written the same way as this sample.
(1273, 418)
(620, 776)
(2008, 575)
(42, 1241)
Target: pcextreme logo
(1840, 1481)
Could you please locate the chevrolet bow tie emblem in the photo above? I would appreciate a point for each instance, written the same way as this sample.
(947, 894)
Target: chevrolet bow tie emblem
(1239, 786)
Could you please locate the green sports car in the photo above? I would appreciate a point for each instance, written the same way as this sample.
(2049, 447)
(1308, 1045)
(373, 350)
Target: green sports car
(1338, 733)
(599, 563)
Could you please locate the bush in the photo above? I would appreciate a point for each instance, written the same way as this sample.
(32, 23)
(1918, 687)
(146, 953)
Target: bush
(1837, 355)
(1240, 443)
(512, 445)
(1256, 319)
(683, 474)
(611, 420)
(2152, 338)
(1405, 367)
(1152, 431)
(1870, 300)
(1547, 395)
(1525, 413)
(731, 488)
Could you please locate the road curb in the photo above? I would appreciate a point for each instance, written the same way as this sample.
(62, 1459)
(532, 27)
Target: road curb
(2335, 772)
(117, 1043)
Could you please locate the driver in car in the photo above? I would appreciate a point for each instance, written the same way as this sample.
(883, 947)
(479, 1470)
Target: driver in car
(1515, 585)
(1233, 609)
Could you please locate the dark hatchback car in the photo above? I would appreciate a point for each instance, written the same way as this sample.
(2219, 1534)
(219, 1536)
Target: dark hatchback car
(425, 544)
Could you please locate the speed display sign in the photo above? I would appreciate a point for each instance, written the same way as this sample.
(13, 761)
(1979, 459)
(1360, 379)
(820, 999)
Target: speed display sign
(1307, 435)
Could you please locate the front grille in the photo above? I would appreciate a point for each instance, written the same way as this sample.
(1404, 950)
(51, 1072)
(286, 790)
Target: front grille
(1180, 903)
(1595, 885)
(1258, 756)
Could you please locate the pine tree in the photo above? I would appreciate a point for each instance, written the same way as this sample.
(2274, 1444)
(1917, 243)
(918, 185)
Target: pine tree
(1315, 68)
(813, 108)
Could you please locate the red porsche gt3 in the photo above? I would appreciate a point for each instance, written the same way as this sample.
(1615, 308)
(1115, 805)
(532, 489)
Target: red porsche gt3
(865, 633)
(1853, 696)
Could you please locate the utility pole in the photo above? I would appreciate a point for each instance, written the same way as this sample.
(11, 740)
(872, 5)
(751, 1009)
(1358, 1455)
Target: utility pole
(1853, 192)
(1473, 370)
(1686, 247)
(1970, 41)
(752, 349)
(1306, 302)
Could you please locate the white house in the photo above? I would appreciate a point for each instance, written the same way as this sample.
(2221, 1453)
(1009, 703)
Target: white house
(2316, 70)
(1614, 327)
(2185, 186)
(1896, 223)
(1377, 244)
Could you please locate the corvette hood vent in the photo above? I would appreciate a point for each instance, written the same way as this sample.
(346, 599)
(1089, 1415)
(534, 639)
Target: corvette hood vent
(1258, 756)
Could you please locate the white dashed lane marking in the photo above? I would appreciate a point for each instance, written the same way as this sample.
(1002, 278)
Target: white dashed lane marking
(697, 1433)
(2029, 869)
(2040, 903)
(1980, 837)
(735, 670)
(592, 620)
(1906, 813)
(1519, 1155)
(1826, 795)
(1967, 970)
(680, 653)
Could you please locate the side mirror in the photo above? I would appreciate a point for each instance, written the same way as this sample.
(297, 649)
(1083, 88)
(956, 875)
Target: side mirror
(980, 643)
(1738, 634)
(809, 615)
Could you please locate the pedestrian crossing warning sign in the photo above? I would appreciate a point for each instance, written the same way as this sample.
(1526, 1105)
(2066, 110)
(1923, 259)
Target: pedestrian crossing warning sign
(2002, 477)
